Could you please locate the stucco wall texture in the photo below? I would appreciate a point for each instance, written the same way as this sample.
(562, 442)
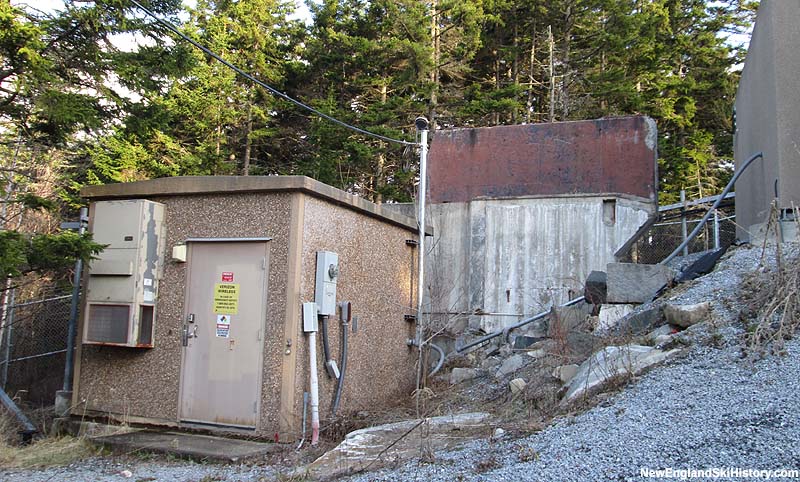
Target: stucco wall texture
(376, 271)
(145, 383)
(376, 275)
(768, 116)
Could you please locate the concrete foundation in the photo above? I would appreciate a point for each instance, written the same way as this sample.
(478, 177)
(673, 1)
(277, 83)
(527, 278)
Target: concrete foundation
(494, 261)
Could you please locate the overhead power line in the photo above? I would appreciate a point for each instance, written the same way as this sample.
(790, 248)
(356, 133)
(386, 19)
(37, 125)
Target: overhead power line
(170, 26)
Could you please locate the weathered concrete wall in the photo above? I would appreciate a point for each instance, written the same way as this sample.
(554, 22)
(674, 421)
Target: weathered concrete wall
(614, 155)
(768, 115)
(519, 256)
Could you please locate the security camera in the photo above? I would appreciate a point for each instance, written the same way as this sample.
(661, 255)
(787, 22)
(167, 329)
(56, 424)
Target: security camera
(421, 123)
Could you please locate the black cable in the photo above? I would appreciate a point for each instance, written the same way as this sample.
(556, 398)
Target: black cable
(273, 90)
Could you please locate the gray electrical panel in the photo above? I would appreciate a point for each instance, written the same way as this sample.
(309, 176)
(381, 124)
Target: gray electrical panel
(123, 283)
(325, 289)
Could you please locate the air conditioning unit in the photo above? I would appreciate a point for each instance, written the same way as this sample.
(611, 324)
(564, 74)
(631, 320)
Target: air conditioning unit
(122, 288)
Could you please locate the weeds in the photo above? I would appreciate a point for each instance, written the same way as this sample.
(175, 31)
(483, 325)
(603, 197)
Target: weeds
(42, 453)
(774, 299)
(45, 453)
(487, 464)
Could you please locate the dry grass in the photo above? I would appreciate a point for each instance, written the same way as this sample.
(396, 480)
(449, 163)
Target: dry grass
(772, 301)
(45, 452)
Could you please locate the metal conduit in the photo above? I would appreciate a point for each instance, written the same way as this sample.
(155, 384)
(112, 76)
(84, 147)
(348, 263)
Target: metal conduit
(666, 260)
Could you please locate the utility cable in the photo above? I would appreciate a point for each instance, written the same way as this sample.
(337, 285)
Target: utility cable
(171, 27)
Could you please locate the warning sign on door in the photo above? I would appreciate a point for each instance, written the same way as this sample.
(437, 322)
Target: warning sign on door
(226, 299)
(227, 276)
(223, 326)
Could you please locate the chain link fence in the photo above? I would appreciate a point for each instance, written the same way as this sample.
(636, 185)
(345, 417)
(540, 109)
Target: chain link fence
(666, 235)
(33, 346)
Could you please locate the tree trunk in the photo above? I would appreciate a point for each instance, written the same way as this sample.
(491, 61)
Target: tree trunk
(435, 54)
(568, 23)
(531, 60)
(377, 180)
(552, 117)
(248, 143)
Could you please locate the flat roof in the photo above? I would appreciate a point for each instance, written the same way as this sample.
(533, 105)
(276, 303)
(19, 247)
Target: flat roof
(200, 185)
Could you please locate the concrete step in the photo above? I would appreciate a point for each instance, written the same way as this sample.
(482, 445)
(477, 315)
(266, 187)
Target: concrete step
(186, 445)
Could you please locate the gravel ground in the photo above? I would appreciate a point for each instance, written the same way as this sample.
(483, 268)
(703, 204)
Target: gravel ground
(139, 470)
(709, 409)
(706, 409)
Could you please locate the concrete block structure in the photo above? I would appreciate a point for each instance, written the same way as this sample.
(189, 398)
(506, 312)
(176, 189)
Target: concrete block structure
(522, 214)
(768, 117)
(225, 266)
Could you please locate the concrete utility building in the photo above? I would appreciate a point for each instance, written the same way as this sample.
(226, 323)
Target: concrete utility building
(192, 315)
(768, 117)
(522, 214)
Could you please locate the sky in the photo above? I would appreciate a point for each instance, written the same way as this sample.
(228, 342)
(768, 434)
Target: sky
(128, 42)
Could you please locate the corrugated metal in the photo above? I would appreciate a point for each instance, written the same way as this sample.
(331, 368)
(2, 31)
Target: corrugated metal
(616, 155)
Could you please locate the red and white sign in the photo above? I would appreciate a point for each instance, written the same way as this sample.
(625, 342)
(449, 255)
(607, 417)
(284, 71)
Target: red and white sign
(227, 276)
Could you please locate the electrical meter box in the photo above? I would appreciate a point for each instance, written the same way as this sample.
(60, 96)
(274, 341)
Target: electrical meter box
(123, 283)
(327, 273)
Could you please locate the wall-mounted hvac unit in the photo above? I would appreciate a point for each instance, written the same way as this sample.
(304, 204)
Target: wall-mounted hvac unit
(123, 282)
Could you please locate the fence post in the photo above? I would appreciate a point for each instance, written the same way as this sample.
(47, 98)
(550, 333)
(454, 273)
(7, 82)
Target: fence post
(683, 223)
(9, 327)
(64, 397)
(716, 229)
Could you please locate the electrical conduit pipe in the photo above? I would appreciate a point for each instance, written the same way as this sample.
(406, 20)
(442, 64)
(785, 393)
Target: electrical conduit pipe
(314, 388)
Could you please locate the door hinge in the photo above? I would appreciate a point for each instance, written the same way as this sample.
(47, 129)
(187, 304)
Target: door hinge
(255, 407)
(264, 263)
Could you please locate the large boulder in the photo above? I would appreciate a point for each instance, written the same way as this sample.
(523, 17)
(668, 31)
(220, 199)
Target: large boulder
(636, 283)
(510, 365)
(517, 385)
(596, 288)
(610, 315)
(687, 315)
(641, 320)
(459, 375)
(609, 364)
(565, 373)
(394, 442)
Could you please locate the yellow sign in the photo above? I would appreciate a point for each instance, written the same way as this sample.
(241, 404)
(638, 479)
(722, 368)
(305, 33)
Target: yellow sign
(226, 298)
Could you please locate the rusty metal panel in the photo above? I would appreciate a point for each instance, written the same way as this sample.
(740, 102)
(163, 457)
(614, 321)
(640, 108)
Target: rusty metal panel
(616, 155)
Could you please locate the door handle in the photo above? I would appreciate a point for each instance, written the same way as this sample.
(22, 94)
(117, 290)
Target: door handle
(185, 334)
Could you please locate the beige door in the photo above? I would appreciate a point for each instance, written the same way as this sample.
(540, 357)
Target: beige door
(223, 333)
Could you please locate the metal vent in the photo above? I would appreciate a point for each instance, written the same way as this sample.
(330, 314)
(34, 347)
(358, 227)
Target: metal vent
(108, 323)
(145, 325)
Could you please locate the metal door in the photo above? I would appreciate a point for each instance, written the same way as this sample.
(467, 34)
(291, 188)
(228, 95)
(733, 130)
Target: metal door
(222, 333)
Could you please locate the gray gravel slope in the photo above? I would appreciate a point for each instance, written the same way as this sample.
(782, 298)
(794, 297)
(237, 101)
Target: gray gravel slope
(709, 409)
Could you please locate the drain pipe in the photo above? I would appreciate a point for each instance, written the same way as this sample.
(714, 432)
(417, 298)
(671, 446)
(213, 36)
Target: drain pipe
(666, 260)
(310, 326)
(345, 317)
(28, 428)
